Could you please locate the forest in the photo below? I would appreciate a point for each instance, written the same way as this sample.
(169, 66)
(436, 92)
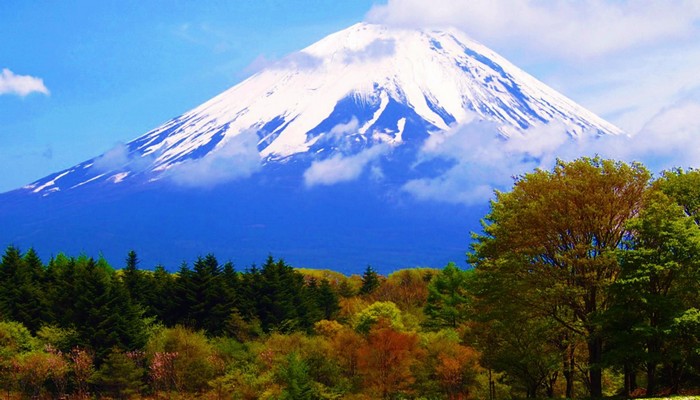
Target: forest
(584, 283)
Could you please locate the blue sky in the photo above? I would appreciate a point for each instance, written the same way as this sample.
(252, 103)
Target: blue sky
(78, 77)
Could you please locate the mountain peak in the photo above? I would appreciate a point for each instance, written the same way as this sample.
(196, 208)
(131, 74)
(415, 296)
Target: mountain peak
(365, 85)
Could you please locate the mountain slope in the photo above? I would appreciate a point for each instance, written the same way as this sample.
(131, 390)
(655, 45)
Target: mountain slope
(356, 88)
(308, 158)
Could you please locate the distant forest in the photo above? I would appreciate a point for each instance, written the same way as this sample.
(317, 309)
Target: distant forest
(585, 282)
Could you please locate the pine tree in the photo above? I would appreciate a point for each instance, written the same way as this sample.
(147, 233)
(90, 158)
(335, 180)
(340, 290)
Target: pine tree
(119, 377)
(327, 300)
(370, 281)
(22, 296)
(133, 278)
(295, 376)
(161, 301)
(447, 300)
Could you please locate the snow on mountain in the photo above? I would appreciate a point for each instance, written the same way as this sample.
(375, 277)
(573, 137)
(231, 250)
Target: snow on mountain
(365, 86)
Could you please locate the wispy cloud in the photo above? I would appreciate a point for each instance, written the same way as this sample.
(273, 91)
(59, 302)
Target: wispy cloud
(296, 61)
(205, 35)
(119, 158)
(341, 168)
(21, 85)
(301, 60)
(342, 129)
(238, 158)
(375, 50)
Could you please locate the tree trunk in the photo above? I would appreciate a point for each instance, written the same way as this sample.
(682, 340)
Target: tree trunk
(651, 378)
(595, 351)
(630, 379)
(653, 349)
(569, 372)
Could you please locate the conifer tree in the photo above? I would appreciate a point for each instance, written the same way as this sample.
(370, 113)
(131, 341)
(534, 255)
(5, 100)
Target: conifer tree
(118, 377)
(370, 281)
(447, 302)
(134, 279)
(327, 300)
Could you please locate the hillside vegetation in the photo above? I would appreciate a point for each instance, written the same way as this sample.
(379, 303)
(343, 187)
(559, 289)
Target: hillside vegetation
(585, 283)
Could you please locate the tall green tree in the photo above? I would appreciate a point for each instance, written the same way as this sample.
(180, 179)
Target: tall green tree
(561, 230)
(448, 298)
(282, 298)
(370, 281)
(134, 279)
(660, 271)
(89, 298)
(22, 297)
(295, 377)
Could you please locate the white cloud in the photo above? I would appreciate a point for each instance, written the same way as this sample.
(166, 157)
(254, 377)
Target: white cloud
(302, 60)
(238, 158)
(624, 60)
(484, 160)
(21, 85)
(343, 169)
(571, 29)
(296, 61)
(375, 50)
(118, 158)
(114, 159)
(345, 128)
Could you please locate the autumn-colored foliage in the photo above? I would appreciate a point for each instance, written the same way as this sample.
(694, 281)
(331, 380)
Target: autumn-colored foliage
(385, 360)
(585, 283)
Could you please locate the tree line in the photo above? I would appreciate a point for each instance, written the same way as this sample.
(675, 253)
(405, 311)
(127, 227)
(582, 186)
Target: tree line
(585, 282)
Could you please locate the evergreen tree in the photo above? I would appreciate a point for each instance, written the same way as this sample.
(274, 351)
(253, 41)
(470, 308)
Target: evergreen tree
(134, 279)
(162, 299)
(447, 304)
(370, 281)
(22, 296)
(295, 377)
(282, 298)
(327, 300)
(97, 306)
(118, 377)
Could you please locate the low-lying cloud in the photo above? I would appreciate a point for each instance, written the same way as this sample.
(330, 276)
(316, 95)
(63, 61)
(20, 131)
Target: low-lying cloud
(339, 168)
(238, 158)
(486, 161)
(119, 158)
(20, 85)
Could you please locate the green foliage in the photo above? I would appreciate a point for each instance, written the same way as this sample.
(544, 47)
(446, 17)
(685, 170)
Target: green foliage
(62, 339)
(380, 310)
(119, 377)
(192, 352)
(584, 275)
(558, 233)
(294, 375)
(15, 338)
(658, 283)
(448, 299)
(21, 297)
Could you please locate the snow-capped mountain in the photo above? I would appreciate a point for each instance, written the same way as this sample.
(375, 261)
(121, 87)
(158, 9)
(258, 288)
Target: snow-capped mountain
(359, 87)
(315, 158)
